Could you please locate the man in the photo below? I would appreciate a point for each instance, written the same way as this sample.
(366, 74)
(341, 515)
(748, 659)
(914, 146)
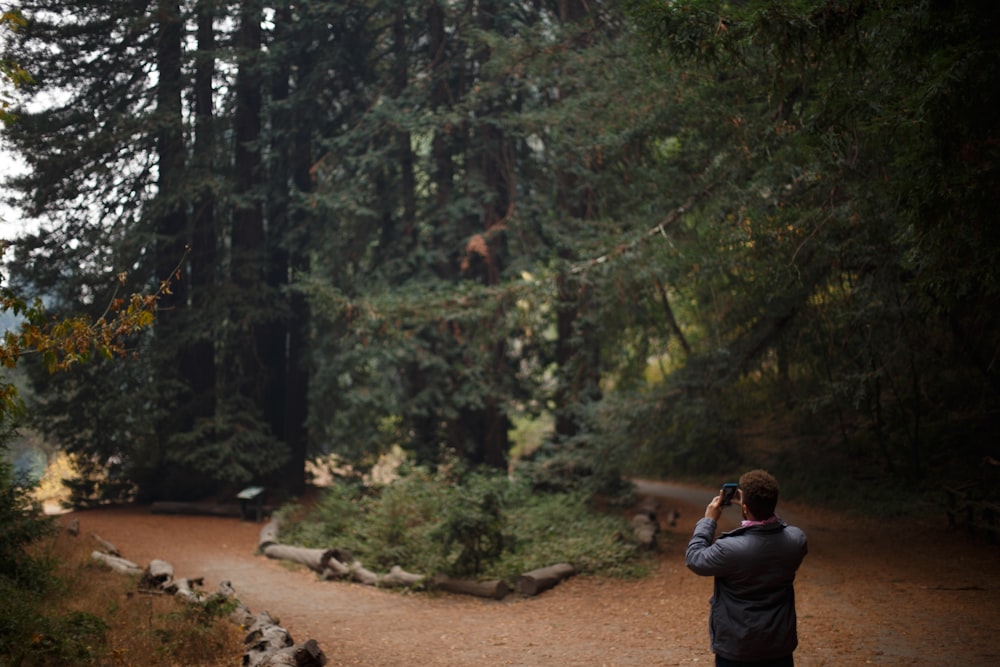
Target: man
(752, 619)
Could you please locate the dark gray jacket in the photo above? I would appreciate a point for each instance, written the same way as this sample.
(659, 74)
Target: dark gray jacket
(753, 608)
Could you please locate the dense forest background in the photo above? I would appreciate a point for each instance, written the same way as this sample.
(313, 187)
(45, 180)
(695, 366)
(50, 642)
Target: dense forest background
(592, 238)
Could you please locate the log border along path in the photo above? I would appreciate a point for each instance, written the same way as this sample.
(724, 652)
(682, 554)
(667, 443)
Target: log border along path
(871, 592)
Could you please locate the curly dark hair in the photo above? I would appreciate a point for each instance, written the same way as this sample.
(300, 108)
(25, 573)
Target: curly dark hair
(760, 493)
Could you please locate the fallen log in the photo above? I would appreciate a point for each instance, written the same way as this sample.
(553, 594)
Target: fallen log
(241, 614)
(261, 621)
(158, 574)
(264, 638)
(267, 643)
(306, 654)
(336, 564)
(397, 576)
(270, 645)
(649, 505)
(645, 529)
(335, 570)
(268, 534)
(315, 559)
(542, 579)
(106, 546)
(363, 575)
(493, 588)
(117, 563)
(184, 588)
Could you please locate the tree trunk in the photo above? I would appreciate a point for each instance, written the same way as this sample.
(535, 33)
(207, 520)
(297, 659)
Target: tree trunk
(577, 357)
(408, 181)
(198, 360)
(296, 391)
(290, 159)
(248, 367)
(270, 645)
(169, 213)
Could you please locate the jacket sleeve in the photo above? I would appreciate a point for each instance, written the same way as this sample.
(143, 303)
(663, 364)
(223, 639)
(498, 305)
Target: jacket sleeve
(703, 556)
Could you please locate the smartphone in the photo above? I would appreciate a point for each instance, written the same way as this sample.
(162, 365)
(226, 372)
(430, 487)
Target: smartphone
(729, 492)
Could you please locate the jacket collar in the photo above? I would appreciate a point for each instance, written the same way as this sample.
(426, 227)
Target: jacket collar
(774, 527)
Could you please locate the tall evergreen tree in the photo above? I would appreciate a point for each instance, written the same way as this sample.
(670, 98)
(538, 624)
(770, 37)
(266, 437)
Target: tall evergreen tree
(847, 194)
(92, 199)
(112, 170)
(430, 322)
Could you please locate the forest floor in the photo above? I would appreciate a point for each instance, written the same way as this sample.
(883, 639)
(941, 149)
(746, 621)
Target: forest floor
(870, 592)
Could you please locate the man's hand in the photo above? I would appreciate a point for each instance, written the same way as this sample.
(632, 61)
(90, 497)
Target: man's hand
(714, 509)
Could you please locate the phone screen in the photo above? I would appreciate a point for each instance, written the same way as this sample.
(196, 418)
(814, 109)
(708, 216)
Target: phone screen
(728, 492)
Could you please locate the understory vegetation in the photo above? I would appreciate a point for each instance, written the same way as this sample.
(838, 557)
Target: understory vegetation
(61, 608)
(466, 524)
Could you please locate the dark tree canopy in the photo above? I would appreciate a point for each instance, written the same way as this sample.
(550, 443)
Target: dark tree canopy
(651, 223)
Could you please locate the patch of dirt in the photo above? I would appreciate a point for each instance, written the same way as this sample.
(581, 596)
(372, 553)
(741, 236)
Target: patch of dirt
(870, 592)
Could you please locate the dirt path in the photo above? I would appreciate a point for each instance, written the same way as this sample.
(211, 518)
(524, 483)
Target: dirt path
(869, 593)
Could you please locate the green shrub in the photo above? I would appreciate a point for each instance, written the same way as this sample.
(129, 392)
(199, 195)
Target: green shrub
(466, 524)
(331, 520)
(25, 577)
(399, 523)
(472, 523)
(557, 528)
(30, 633)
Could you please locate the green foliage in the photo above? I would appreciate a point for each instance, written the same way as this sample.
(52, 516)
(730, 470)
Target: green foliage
(400, 522)
(590, 464)
(464, 524)
(566, 528)
(331, 520)
(235, 445)
(454, 215)
(831, 266)
(11, 73)
(21, 521)
(471, 531)
(31, 636)
(673, 431)
(192, 624)
(26, 578)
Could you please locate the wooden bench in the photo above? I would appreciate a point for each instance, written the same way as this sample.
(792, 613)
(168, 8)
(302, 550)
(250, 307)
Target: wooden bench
(252, 497)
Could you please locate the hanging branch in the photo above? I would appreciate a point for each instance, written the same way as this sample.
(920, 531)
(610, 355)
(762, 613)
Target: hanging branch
(354, 308)
(671, 320)
(65, 342)
(658, 229)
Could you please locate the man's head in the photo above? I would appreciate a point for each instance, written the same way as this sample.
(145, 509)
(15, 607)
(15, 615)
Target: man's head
(759, 490)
